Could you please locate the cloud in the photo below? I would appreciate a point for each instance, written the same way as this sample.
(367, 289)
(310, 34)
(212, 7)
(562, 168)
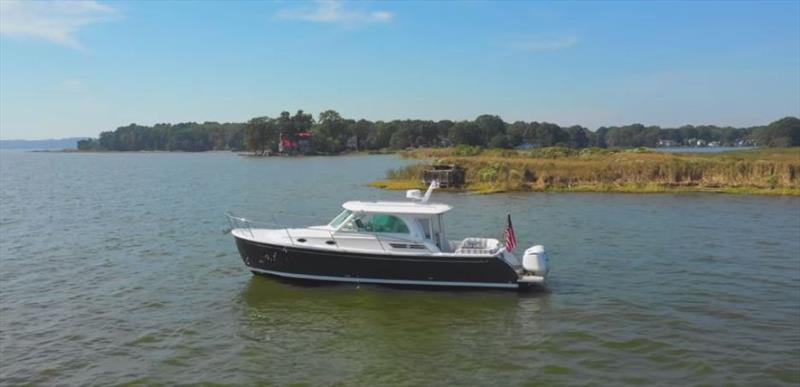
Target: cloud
(335, 12)
(54, 21)
(541, 44)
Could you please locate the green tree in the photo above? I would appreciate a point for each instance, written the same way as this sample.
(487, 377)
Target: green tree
(781, 133)
(490, 126)
(500, 141)
(334, 133)
(551, 135)
(360, 130)
(381, 135)
(330, 133)
(401, 138)
(302, 122)
(517, 132)
(261, 133)
(467, 133)
(284, 125)
(578, 136)
(600, 137)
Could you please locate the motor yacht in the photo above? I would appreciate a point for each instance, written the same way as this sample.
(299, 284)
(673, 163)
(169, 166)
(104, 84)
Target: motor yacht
(394, 243)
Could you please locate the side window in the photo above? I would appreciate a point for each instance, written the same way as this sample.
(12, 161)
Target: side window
(376, 223)
(385, 223)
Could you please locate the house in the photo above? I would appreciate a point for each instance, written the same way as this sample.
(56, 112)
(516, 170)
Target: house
(695, 142)
(666, 144)
(301, 143)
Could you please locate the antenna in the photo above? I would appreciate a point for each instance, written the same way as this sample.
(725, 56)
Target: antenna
(434, 185)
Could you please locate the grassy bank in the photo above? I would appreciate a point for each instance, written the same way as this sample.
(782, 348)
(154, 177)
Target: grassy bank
(773, 171)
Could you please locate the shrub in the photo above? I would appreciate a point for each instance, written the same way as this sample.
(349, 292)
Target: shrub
(468, 150)
(553, 152)
(489, 173)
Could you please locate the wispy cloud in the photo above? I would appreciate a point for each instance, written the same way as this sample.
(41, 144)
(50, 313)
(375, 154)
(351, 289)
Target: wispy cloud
(54, 21)
(543, 44)
(335, 12)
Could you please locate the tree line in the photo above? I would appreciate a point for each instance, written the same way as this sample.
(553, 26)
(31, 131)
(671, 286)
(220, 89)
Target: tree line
(330, 133)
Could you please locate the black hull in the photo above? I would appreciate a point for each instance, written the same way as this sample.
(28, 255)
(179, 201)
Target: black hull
(322, 265)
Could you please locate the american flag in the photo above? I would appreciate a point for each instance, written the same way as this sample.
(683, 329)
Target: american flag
(511, 238)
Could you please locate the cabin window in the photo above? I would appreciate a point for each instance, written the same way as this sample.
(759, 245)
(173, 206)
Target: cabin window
(337, 221)
(381, 223)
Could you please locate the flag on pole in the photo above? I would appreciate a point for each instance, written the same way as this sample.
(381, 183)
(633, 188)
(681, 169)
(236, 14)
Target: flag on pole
(511, 238)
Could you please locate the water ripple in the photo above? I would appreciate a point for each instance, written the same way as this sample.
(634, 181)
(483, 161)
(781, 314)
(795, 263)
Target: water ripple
(113, 270)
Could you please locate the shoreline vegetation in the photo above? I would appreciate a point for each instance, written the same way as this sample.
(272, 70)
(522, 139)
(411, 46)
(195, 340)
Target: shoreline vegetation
(765, 171)
(505, 157)
(332, 134)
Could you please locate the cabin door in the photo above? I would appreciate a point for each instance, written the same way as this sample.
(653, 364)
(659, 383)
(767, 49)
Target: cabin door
(434, 231)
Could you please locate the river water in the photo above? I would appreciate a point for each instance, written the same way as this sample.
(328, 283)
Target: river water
(114, 269)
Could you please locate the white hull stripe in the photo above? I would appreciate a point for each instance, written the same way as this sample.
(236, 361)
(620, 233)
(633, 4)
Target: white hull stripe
(386, 281)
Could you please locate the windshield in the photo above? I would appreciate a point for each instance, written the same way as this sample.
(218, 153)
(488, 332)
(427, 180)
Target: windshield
(337, 221)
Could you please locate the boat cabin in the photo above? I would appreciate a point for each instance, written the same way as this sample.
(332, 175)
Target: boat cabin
(398, 226)
(415, 227)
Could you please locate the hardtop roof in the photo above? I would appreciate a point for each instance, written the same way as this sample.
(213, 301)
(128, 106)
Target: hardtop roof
(397, 207)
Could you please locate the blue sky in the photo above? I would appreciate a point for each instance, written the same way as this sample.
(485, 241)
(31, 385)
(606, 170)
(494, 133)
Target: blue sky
(77, 68)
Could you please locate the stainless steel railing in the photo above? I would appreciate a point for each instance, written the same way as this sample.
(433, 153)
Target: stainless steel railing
(236, 222)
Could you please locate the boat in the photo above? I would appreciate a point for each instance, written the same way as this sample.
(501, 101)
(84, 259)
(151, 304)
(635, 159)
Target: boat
(390, 243)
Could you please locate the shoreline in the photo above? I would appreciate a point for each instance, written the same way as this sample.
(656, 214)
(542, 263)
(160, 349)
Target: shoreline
(113, 151)
(766, 171)
(400, 185)
(761, 171)
(238, 153)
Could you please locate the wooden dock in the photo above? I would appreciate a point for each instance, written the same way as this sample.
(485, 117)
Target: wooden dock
(448, 175)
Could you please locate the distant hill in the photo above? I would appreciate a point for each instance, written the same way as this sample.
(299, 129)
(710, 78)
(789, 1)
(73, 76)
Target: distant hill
(62, 143)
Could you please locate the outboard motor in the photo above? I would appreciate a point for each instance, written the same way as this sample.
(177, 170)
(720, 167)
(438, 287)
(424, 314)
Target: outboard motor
(536, 260)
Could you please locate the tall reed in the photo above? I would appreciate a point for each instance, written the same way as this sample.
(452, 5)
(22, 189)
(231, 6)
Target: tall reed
(766, 171)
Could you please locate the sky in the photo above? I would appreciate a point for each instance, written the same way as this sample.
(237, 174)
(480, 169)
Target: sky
(77, 68)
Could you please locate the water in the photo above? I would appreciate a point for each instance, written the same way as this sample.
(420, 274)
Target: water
(114, 269)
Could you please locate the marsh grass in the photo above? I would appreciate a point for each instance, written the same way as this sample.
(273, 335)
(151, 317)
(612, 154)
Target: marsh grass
(763, 171)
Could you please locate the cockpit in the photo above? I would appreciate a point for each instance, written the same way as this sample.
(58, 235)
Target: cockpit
(416, 227)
